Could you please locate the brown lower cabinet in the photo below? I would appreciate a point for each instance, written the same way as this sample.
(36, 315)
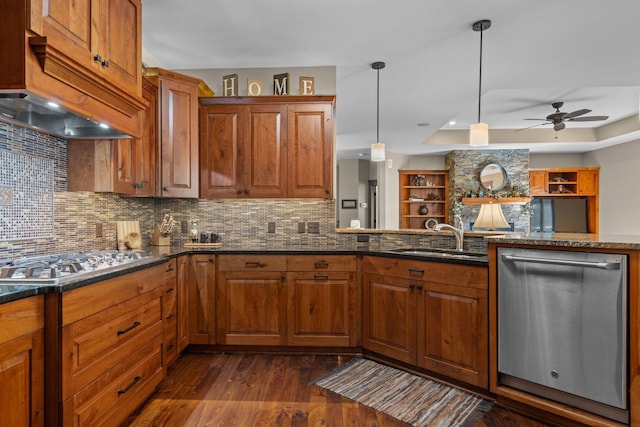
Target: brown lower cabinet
(252, 300)
(433, 315)
(201, 299)
(106, 346)
(22, 362)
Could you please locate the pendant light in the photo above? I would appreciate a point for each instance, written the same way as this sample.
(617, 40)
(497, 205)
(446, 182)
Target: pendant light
(377, 148)
(479, 132)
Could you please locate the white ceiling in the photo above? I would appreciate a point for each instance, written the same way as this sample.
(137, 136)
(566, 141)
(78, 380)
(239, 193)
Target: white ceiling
(583, 52)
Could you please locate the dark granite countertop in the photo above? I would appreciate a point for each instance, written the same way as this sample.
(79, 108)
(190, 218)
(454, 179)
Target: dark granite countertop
(570, 240)
(11, 292)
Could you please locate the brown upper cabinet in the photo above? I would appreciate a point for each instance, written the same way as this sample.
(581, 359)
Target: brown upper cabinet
(266, 147)
(176, 124)
(86, 55)
(163, 163)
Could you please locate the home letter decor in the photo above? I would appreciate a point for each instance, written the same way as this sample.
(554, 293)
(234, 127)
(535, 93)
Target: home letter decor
(307, 85)
(281, 84)
(254, 87)
(230, 85)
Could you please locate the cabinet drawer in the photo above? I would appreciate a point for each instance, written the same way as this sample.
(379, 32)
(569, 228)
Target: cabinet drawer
(321, 263)
(111, 398)
(21, 317)
(169, 304)
(252, 262)
(435, 272)
(93, 345)
(86, 301)
(395, 267)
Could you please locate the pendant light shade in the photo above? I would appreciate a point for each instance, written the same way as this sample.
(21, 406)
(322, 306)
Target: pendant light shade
(377, 148)
(479, 132)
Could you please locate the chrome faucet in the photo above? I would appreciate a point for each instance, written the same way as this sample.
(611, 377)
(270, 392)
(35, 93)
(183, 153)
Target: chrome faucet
(458, 232)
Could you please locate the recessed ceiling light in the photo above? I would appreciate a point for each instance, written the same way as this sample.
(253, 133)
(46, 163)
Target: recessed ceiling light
(424, 124)
(104, 126)
(452, 122)
(53, 104)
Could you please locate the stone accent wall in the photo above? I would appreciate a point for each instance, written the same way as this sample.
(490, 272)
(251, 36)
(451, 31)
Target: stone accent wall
(464, 171)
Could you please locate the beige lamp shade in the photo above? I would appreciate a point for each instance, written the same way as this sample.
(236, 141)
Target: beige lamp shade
(479, 134)
(491, 217)
(377, 152)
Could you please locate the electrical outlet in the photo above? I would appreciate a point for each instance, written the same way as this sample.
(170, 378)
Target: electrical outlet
(99, 230)
(362, 238)
(184, 227)
(313, 227)
(302, 227)
(271, 227)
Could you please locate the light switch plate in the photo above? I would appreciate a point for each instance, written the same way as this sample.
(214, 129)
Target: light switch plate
(271, 227)
(302, 227)
(313, 227)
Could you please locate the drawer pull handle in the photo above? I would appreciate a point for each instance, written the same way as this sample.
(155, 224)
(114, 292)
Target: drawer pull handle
(170, 268)
(169, 347)
(169, 316)
(124, 331)
(416, 271)
(321, 277)
(169, 290)
(127, 388)
(321, 264)
(253, 264)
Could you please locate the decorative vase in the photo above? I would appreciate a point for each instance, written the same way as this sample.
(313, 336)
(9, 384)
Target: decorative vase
(424, 210)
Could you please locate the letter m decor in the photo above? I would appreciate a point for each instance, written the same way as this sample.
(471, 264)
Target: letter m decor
(281, 84)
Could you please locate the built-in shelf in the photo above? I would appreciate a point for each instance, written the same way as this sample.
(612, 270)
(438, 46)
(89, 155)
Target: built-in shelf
(501, 200)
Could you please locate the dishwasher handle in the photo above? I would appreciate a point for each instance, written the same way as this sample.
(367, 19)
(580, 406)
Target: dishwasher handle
(605, 265)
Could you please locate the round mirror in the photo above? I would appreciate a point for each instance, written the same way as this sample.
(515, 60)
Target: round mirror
(493, 177)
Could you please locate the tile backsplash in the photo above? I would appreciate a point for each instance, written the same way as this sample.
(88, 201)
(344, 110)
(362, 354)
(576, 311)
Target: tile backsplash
(69, 221)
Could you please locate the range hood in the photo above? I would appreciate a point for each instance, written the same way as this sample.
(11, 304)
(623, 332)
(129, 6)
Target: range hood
(32, 111)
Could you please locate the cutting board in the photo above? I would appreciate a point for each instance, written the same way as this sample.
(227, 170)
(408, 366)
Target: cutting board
(128, 233)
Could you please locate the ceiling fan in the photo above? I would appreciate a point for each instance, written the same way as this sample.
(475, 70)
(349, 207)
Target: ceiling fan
(559, 118)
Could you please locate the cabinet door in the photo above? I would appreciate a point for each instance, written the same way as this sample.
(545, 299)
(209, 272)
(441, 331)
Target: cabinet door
(182, 287)
(22, 381)
(252, 308)
(389, 316)
(453, 332)
(201, 297)
(538, 182)
(119, 42)
(588, 182)
(321, 309)
(221, 151)
(179, 138)
(265, 148)
(67, 26)
(310, 150)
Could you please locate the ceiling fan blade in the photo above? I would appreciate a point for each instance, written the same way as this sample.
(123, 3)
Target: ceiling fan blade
(588, 119)
(575, 114)
(559, 126)
(535, 119)
(539, 124)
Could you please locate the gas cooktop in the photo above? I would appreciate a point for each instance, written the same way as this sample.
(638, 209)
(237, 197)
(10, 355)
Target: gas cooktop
(62, 268)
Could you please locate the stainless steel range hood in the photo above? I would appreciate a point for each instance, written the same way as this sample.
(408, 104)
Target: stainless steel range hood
(26, 109)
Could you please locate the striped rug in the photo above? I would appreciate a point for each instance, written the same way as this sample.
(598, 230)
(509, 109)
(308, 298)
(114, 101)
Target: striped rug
(407, 397)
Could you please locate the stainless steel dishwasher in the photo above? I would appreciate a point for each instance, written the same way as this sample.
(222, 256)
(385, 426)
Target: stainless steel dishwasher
(562, 327)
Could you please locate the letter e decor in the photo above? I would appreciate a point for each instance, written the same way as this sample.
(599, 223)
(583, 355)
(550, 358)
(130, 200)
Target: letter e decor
(307, 85)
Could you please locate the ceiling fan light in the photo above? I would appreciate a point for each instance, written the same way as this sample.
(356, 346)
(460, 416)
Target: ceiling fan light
(479, 134)
(377, 152)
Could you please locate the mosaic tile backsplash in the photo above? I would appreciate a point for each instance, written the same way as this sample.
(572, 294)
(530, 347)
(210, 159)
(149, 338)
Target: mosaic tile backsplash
(75, 216)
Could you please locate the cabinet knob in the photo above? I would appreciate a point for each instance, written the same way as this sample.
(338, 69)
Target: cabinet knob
(419, 287)
(166, 189)
(97, 58)
(239, 191)
(327, 191)
(411, 286)
(105, 63)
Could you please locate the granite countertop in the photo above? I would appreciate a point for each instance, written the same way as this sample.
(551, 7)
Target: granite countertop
(570, 240)
(10, 292)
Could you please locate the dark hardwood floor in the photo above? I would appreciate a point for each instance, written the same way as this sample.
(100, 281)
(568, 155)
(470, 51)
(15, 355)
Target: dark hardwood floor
(266, 390)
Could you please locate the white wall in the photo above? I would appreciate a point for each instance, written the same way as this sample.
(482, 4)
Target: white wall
(619, 187)
(556, 160)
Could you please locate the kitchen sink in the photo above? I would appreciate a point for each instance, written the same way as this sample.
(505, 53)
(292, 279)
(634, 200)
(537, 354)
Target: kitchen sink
(441, 253)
